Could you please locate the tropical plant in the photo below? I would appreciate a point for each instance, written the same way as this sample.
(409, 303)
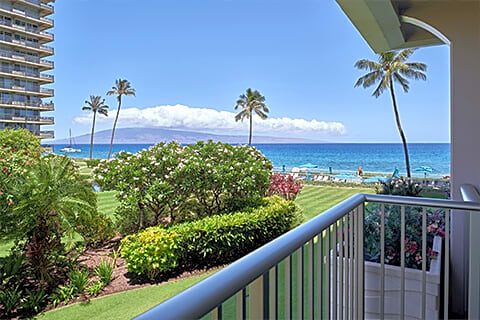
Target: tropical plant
(105, 271)
(95, 288)
(413, 238)
(10, 299)
(251, 101)
(96, 104)
(392, 66)
(78, 279)
(284, 186)
(34, 300)
(50, 198)
(122, 87)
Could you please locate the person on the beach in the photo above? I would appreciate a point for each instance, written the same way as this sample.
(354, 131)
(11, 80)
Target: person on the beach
(360, 171)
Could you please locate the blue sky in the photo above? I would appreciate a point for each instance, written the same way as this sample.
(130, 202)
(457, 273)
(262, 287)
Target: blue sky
(203, 54)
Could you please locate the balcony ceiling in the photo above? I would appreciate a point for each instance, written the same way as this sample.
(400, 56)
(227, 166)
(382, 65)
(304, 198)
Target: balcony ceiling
(384, 26)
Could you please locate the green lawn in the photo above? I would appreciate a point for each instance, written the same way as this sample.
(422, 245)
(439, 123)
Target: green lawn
(125, 305)
(316, 199)
(313, 200)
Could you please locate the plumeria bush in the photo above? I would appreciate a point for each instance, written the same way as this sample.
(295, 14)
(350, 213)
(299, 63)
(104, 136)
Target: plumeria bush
(413, 234)
(284, 186)
(174, 183)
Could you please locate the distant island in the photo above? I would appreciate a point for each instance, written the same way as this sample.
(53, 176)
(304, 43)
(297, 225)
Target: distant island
(157, 135)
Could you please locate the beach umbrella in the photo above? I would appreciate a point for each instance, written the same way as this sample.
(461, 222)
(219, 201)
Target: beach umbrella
(424, 170)
(309, 166)
(396, 173)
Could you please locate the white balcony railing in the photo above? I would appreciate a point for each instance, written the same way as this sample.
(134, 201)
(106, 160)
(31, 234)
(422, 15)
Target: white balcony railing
(43, 106)
(327, 253)
(45, 120)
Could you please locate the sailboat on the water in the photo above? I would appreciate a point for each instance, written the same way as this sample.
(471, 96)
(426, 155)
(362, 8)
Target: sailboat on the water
(70, 148)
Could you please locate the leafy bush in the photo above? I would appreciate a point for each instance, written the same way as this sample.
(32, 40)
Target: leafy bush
(399, 187)
(78, 279)
(168, 180)
(92, 163)
(95, 228)
(10, 299)
(151, 251)
(127, 216)
(104, 271)
(284, 186)
(413, 234)
(20, 140)
(35, 300)
(95, 288)
(211, 241)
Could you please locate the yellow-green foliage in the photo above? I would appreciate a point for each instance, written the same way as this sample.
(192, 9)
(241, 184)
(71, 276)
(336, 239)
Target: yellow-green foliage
(150, 251)
(214, 240)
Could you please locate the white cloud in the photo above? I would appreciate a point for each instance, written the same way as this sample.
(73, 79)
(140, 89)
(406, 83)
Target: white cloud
(184, 117)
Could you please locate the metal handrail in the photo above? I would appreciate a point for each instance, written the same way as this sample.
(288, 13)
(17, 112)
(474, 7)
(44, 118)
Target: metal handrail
(214, 290)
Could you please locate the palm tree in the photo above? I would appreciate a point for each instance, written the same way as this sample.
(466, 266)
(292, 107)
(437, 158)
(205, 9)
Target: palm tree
(122, 87)
(51, 198)
(392, 66)
(96, 104)
(251, 101)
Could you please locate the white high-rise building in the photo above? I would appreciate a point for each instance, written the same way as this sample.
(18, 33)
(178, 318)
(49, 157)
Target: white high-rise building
(23, 35)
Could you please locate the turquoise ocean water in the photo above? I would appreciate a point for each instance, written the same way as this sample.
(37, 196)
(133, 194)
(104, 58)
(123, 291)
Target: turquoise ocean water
(342, 157)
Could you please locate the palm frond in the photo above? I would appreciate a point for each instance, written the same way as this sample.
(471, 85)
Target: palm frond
(366, 64)
(402, 81)
(382, 85)
(403, 55)
(369, 79)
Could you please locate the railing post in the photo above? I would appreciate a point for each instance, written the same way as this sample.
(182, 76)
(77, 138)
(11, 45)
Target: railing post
(256, 299)
(474, 267)
(360, 263)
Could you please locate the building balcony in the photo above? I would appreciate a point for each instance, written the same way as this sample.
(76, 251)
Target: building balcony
(27, 105)
(42, 22)
(46, 93)
(39, 77)
(43, 36)
(26, 59)
(45, 8)
(47, 147)
(33, 46)
(50, 134)
(27, 120)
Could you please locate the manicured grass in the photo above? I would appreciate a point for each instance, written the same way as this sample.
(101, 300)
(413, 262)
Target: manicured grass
(107, 203)
(313, 200)
(125, 305)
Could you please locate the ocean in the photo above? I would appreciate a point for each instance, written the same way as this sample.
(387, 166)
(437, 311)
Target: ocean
(341, 157)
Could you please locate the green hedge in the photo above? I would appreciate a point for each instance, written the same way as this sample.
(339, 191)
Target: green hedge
(211, 241)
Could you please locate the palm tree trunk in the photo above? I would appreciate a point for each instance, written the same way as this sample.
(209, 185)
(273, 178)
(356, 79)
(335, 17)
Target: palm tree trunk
(114, 126)
(400, 130)
(93, 131)
(250, 136)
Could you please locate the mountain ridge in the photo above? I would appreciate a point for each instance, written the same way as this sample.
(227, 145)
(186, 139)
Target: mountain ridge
(157, 135)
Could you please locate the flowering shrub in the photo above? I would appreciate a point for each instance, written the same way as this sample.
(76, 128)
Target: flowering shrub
(413, 234)
(399, 187)
(95, 228)
(167, 178)
(284, 186)
(210, 241)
